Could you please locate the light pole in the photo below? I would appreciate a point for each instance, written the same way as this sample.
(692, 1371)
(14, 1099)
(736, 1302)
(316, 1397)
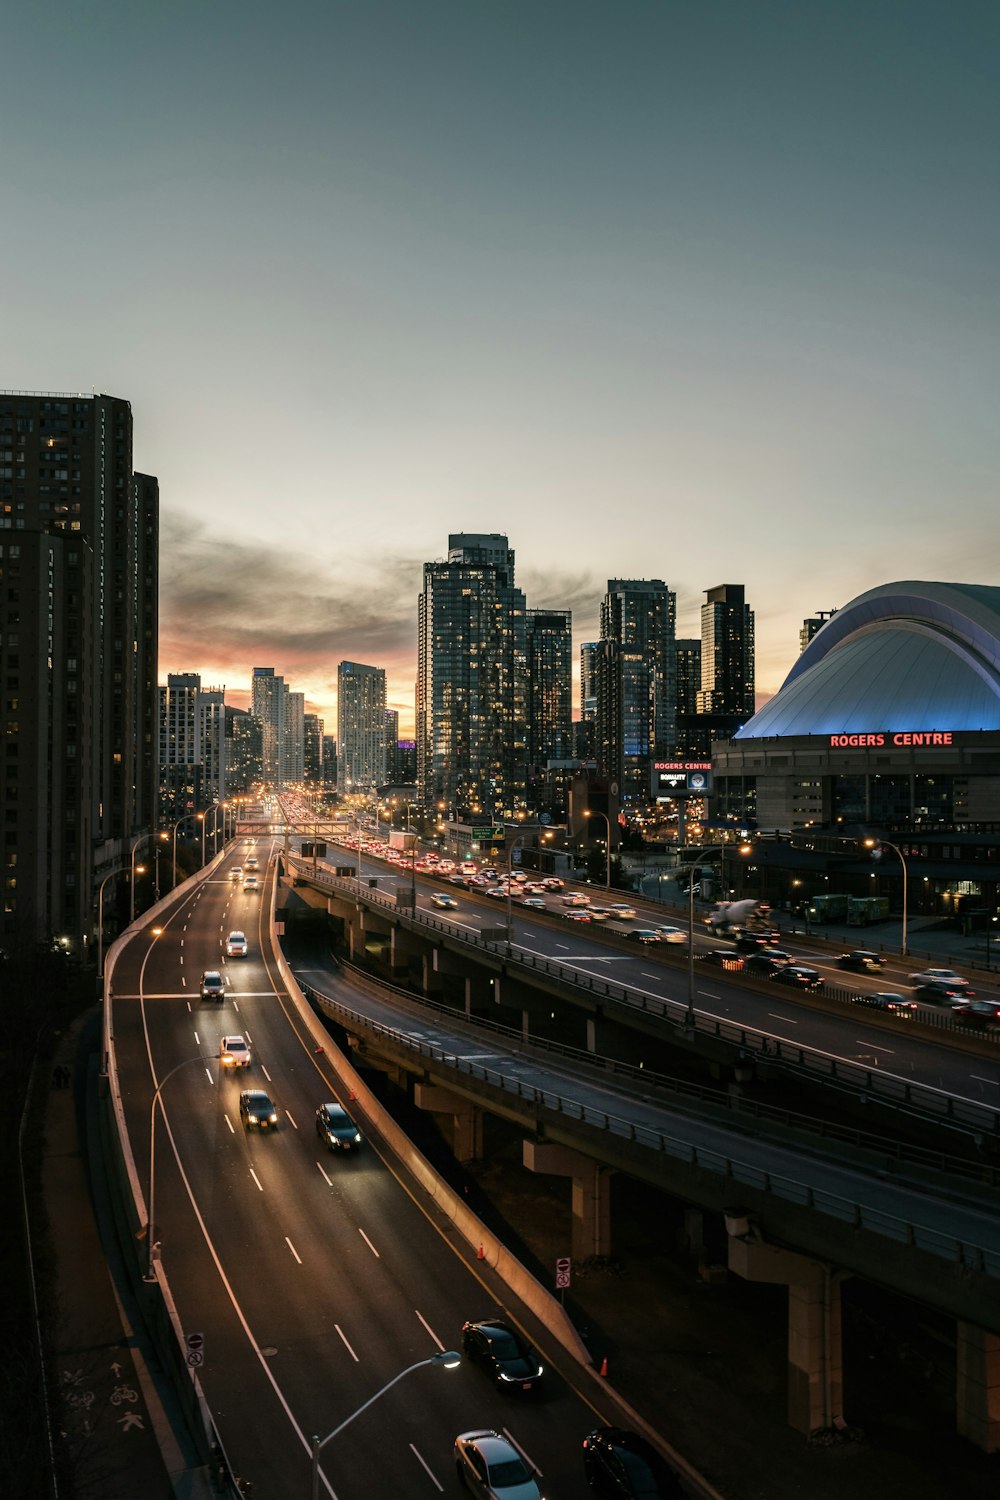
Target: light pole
(518, 843)
(875, 845)
(180, 820)
(593, 813)
(140, 838)
(150, 1220)
(119, 870)
(719, 849)
(448, 1358)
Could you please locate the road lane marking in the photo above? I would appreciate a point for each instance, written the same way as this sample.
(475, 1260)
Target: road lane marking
(265, 1073)
(773, 1015)
(230, 1124)
(514, 1443)
(294, 1126)
(429, 1329)
(432, 1477)
(326, 1179)
(980, 1079)
(346, 1344)
(369, 1244)
(208, 1075)
(872, 1045)
(293, 1249)
(256, 1179)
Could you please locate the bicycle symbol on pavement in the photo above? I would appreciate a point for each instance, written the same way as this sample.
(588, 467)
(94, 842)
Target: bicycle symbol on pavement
(123, 1393)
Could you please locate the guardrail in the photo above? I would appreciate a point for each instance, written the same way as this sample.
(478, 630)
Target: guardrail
(918, 1099)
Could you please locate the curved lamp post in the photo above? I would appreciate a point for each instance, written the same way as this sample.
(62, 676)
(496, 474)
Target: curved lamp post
(118, 870)
(875, 845)
(593, 813)
(150, 1221)
(180, 820)
(448, 1358)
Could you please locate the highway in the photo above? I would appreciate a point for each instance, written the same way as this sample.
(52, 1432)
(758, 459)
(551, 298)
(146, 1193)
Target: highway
(313, 1279)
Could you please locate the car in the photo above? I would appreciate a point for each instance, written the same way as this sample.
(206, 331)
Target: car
(251, 862)
(672, 934)
(534, 888)
(213, 985)
(251, 883)
(234, 1052)
(553, 883)
(861, 960)
(236, 945)
(798, 977)
(575, 898)
(443, 901)
(600, 913)
(236, 873)
(622, 912)
(536, 903)
(256, 1110)
(645, 935)
(977, 1013)
(459, 879)
(690, 890)
(621, 1463)
(577, 914)
(888, 1001)
(942, 992)
(755, 942)
(497, 892)
(505, 1354)
(720, 958)
(932, 976)
(491, 1467)
(765, 963)
(335, 1126)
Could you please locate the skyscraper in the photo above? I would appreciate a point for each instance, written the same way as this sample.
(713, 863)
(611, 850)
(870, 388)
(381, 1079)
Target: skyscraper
(727, 652)
(79, 539)
(192, 746)
(312, 727)
(471, 681)
(295, 738)
(360, 727)
(549, 655)
(812, 626)
(269, 705)
(637, 691)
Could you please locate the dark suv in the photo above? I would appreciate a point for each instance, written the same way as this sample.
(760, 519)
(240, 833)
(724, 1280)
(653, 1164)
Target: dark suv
(621, 1463)
(861, 960)
(766, 962)
(212, 985)
(335, 1126)
(509, 1358)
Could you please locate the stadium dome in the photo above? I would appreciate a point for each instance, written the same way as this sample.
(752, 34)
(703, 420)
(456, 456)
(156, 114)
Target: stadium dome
(903, 657)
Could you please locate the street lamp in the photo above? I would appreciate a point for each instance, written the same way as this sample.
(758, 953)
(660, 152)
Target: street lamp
(180, 820)
(593, 813)
(448, 1358)
(119, 870)
(150, 1221)
(139, 839)
(875, 845)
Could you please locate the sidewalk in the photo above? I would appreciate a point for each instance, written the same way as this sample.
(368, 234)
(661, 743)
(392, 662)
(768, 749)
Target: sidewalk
(116, 1434)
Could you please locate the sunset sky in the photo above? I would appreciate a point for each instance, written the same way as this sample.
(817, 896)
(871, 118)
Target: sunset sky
(702, 291)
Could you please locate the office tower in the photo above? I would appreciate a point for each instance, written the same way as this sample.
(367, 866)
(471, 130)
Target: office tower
(405, 773)
(471, 681)
(269, 704)
(360, 727)
(636, 685)
(549, 737)
(295, 738)
(192, 747)
(589, 653)
(79, 538)
(329, 760)
(312, 726)
(244, 750)
(688, 657)
(391, 744)
(727, 653)
(812, 626)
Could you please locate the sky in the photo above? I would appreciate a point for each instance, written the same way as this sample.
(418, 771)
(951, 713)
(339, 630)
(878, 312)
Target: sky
(698, 290)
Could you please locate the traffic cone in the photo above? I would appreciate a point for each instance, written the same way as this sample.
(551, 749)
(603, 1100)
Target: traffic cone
(480, 1253)
(604, 1365)
(353, 1095)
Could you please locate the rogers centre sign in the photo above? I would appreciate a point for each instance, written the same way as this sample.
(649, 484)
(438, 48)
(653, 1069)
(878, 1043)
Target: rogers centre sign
(910, 737)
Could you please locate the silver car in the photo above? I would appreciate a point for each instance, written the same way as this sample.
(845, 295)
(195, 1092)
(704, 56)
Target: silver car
(492, 1468)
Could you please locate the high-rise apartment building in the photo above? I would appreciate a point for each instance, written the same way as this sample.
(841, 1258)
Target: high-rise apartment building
(192, 746)
(471, 681)
(549, 734)
(727, 652)
(589, 654)
(312, 726)
(637, 690)
(244, 750)
(269, 704)
(360, 727)
(79, 539)
(687, 654)
(812, 626)
(295, 738)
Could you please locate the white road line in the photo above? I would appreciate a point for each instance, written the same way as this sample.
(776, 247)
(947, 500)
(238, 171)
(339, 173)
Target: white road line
(182, 958)
(787, 1019)
(256, 1179)
(265, 1073)
(346, 1344)
(197, 1039)
(644, 975)
(980, 1079)
(208, 1075)
(432, 1477)
(248, 1037)
(294, 1126)
(369, 1244)
(859, 1043)
(326, 1179)
(230, 1124)
(513, 1440)
(183, 981)
(429, 1329)
(293, 1249)
(182, 942)
(190, 1011)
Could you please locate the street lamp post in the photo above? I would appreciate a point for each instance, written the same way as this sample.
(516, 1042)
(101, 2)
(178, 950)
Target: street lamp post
(150, 1220)
(448, 1358)
(119, 870)
(593, 813)
(136, 842)
(875, 845)
(180, 820)
(518, 843)
(719, 849)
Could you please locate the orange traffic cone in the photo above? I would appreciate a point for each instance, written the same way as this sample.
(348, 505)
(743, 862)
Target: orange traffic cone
(604, 1365)
(480, 1253)
(353, 1094)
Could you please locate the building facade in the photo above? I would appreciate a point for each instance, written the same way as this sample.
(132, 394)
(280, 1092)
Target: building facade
(360, 727)
(727, 653)
(192, 747)
(636, 682)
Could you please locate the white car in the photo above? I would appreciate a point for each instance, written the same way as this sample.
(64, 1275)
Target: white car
(251, 883)
(236, 945)
(937, 976)
(492, 1468)
(236, 873)
(672, 934)
(623, 912)
(251, 863)
(234, 1052)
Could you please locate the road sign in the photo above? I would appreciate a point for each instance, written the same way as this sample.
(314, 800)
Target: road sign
(195, 1343)
(195, 1359)
(564, 1267)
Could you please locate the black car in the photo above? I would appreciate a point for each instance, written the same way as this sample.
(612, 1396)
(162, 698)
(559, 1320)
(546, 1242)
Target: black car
(940, 992)
(509, 1358)
(756, 942)
(212, 985)
(621, 1463)
(766, 963)
(257, 1110)
(887, 1000)
(335, 1126)
(721, 959)
(978, 1013)
(798, 976)
(861, 960)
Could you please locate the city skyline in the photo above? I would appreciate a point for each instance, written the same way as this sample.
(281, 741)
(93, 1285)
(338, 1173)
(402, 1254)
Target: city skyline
(700, 294)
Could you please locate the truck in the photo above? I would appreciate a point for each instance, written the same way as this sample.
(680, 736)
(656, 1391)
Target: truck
(402, 838)
(864, 909)
(728, 918)
(830, 908)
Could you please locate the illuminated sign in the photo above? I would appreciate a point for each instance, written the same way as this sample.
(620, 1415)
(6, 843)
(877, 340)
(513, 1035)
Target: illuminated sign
(682, 765)
(863, 741)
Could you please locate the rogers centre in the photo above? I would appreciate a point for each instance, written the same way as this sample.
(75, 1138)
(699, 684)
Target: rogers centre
(888, 722)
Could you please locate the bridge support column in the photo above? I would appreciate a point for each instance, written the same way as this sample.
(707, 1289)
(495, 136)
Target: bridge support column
(591, 1228)
(978, 1389)
(815, 1362)
(431, 982)
(466, 1117)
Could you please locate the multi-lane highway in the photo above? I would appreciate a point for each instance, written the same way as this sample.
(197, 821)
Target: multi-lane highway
(314, 1279)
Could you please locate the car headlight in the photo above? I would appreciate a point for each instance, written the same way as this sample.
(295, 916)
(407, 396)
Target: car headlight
(273, 1119)
(252, 1119)
(357, 1139)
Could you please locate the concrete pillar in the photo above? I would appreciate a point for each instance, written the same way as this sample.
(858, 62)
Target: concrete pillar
(591, 1194)
(815, 1357)
(977, 1395)
(466, 1117)
(591, 1033)
(431, 982)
